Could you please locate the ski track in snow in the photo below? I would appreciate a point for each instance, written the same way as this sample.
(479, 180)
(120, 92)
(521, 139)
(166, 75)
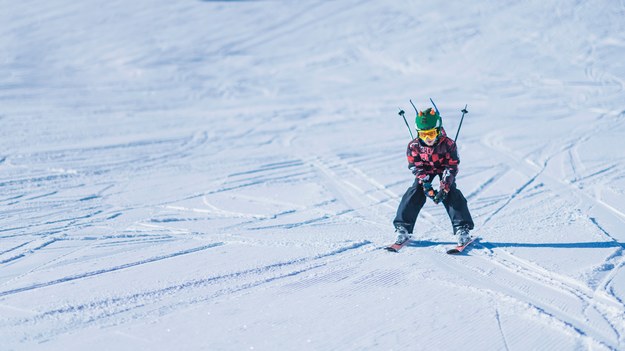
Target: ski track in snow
(100, 311)
(209, 176)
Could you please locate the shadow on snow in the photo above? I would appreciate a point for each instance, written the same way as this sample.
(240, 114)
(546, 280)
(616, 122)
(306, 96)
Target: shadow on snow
(583, 245)
(490, 244)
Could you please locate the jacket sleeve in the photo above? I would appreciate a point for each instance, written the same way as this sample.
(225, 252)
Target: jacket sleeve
(451, 167)
(415, 164)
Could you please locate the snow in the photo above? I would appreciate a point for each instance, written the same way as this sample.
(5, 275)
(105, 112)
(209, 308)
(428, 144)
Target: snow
(222, 175)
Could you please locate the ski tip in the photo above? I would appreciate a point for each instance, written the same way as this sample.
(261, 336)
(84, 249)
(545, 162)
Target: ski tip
(396, 247)
(458, 249)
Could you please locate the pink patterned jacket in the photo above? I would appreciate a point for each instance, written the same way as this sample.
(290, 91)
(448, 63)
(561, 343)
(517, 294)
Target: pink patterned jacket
(441, 159)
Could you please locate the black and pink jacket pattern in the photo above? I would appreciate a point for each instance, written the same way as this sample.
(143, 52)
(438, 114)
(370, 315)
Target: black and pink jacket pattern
(441, 159)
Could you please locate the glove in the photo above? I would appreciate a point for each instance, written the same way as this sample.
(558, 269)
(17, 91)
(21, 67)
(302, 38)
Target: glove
(440, 196)
(429, 191)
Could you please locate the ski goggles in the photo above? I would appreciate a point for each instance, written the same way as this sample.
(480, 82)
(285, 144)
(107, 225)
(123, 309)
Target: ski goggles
(428, 133)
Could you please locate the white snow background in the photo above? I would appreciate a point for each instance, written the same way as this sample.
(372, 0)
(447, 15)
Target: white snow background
(222, 175)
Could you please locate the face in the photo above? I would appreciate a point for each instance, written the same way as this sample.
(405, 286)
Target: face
(428, 136)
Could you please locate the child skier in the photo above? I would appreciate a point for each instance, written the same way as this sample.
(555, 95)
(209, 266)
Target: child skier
(430, 155)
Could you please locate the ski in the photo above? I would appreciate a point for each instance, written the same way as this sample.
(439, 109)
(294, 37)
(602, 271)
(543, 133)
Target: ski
(458, 249)
(396, 247)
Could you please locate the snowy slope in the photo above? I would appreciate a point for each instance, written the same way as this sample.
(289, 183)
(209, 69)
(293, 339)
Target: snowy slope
(221, 175)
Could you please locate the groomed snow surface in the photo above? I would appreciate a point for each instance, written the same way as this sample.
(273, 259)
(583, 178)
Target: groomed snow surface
(222, 175)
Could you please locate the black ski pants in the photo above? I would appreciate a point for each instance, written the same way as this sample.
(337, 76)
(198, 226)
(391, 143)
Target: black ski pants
(413, 200)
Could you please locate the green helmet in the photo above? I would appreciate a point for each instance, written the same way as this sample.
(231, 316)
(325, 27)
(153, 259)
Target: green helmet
(428, 119)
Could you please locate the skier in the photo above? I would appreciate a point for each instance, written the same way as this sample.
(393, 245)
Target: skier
(432, 154)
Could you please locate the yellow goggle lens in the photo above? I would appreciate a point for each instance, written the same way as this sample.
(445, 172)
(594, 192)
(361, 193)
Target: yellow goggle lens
(428, 133)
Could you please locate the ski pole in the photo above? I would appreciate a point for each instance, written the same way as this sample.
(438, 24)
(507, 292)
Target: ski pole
(464, 110)
(415, 107)
(401, 113)
(435, 108)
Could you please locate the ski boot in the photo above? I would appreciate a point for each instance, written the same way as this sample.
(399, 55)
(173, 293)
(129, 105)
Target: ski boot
(463, 235)
(402, 235)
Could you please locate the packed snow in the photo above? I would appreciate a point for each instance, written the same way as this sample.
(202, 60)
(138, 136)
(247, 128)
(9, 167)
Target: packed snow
(223, 175)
